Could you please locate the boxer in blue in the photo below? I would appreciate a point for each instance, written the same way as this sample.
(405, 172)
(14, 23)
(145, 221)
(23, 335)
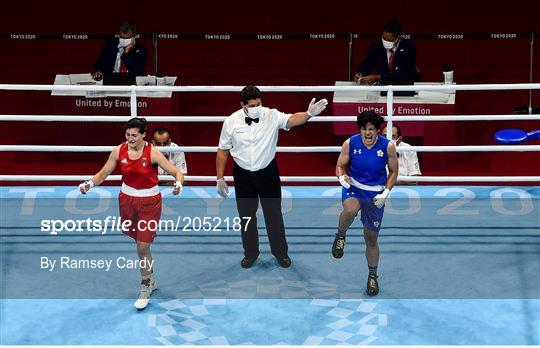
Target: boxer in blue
(366, 187)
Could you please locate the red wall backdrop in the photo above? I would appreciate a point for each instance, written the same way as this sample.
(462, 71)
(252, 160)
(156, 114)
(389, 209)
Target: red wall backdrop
(283, 62)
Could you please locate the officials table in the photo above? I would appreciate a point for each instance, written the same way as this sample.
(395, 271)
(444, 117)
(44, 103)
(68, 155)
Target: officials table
(110, 102)
(424, 104)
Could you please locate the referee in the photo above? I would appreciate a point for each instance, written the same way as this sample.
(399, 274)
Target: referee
(251, 135)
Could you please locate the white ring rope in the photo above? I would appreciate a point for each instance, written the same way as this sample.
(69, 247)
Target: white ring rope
(96, 118)
(437, 87)
(294, 149)
(332, 179)
(134, 89)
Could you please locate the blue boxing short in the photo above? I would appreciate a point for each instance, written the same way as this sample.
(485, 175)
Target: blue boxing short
(370, 215)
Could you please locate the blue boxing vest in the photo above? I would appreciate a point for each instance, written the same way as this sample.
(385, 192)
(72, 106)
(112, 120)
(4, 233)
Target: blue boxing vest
(368, 166)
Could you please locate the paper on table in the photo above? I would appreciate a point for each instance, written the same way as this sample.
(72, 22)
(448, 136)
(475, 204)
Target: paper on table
(170, 80)
(82, 79)
(434, 96)
(150, 80)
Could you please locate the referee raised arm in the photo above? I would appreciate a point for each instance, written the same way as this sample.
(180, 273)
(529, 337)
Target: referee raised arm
(251, 135)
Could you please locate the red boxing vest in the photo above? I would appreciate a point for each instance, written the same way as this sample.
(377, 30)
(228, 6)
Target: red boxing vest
(139, 173)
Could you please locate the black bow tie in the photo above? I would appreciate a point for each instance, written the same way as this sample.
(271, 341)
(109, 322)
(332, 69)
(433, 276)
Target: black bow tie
(249, 120)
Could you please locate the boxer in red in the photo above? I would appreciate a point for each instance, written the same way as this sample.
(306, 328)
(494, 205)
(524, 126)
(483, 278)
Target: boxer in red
(139, 198)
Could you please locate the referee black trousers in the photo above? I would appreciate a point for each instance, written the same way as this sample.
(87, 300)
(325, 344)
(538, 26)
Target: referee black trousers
(263, 185)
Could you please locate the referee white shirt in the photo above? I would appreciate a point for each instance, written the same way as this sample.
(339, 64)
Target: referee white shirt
(253, 146)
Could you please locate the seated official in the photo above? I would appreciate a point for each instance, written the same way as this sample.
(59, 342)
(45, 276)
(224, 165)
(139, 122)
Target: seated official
(122, 54)
(162, 137)
(407, 160)
(390, 61)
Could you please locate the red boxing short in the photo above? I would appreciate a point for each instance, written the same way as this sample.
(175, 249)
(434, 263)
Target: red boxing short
(144, 214)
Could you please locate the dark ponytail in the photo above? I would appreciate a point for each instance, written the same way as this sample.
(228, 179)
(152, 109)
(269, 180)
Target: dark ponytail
(136, 122)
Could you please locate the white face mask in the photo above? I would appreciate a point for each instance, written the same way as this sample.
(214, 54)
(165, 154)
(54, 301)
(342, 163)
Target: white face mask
(254, 112)
(125, 42)
(387, 44)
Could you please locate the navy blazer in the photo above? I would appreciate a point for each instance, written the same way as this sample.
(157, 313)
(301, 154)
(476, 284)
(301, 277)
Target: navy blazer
(134, 60)
(404, 70)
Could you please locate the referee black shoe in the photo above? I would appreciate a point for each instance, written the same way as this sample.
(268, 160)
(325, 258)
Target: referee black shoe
(284, 261)
(372, 288)
(338, 247)
(247, 262)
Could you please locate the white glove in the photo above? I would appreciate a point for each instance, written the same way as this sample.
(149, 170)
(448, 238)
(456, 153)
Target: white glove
(178, 188)
(343, 181)
(316, 108)
(222, 188)
(86, 186)
(379, 199)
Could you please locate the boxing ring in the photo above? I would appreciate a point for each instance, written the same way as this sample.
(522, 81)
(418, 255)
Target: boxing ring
(459, 264)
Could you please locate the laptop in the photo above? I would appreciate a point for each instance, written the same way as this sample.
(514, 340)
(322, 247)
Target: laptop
(119, 79)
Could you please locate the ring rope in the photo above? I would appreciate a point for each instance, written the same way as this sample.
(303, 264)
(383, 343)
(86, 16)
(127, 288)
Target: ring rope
(96, 118)
(333, 179)
(391, 88)
(294, 149)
